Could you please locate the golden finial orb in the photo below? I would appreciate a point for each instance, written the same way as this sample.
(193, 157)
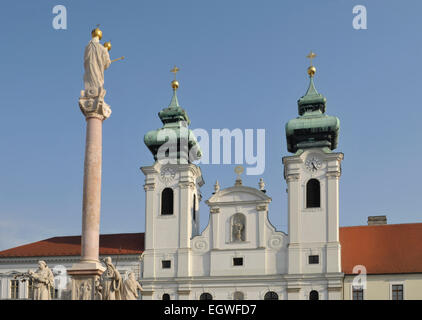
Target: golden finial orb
(175, 83)
(311, 69)
(107, 45)
(97, 33)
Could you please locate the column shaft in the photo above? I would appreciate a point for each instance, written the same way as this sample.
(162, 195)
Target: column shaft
(92, 190)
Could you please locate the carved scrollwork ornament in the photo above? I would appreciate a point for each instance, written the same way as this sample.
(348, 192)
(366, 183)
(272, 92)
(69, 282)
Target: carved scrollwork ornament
(200, 245)
(261, 208)
(215, 210)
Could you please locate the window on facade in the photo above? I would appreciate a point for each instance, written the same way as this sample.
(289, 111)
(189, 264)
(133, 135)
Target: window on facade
(14, 289)
(271, 295)
(205, 296)
(357, 293)
(166, 296)
(314, 295)
(313, 197)
(167, 201)
(238, 261)
(397, 292)
(313, 259)
(238, 296)
(166, 264)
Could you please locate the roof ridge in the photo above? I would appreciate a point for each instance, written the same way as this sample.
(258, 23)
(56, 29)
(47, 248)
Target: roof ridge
(383, 225)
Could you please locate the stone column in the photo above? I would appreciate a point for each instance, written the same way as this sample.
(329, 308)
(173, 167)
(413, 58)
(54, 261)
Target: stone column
(86, 273)
(92, 189)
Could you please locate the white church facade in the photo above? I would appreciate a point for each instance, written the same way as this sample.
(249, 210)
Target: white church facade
(240, 255)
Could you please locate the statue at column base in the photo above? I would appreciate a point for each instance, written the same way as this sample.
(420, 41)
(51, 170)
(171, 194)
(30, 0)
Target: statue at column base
(92, 103)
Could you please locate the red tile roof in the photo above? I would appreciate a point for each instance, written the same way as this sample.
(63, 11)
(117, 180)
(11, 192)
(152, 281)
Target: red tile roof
(390, 248)
(112, 244)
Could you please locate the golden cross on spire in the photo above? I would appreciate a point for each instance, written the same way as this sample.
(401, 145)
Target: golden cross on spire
(310, 56)
(175, 70)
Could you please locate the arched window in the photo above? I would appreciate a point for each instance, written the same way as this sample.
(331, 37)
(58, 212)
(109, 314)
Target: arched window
(167, 201)
(238, 296)
(313, 197)
(166, 296)
(271, 295)
(205, 296)
(313, 295)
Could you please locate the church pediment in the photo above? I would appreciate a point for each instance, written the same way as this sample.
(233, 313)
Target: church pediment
(238, 194)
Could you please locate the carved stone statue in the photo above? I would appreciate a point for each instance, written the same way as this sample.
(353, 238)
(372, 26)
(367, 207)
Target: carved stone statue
(98, 290)
(237, 231)
(96, 60)
(43, 281)
(85, 291)
(131, 287)
(238, 227)
(111, 282)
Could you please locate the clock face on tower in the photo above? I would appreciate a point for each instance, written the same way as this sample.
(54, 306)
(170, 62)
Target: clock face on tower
(167, 174)
(313, 163)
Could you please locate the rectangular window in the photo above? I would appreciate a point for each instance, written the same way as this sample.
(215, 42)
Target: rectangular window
(238, 261)
(166, 264)
(397, 292)
(357, 293)
(313, 259)
(14, 289)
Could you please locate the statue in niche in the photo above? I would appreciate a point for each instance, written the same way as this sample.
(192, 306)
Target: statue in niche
(111, 282)
(238, 227)
(131, 287)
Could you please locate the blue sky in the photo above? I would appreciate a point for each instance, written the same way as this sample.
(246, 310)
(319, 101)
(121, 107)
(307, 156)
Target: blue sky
(242, 65)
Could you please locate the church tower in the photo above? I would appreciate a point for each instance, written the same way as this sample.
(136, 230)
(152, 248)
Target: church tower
(312, 174)
(172, 194)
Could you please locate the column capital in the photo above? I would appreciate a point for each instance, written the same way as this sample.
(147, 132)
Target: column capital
(92, 104)
(292, 177)
(333, 174)
(149, 186)
(186, 185)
